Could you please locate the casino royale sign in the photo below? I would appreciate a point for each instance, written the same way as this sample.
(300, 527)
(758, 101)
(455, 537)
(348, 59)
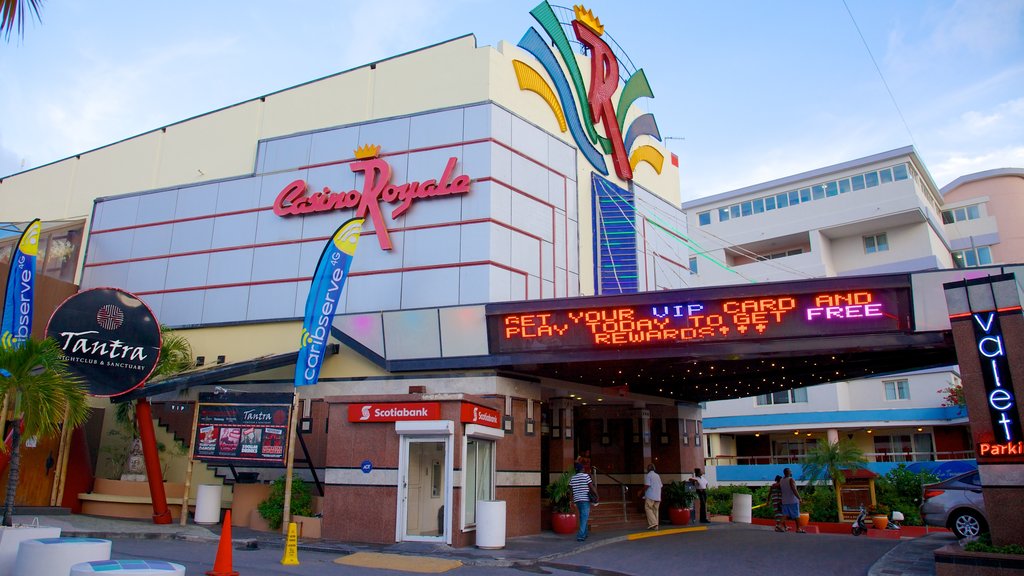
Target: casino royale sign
(297, 199)
(662, 324)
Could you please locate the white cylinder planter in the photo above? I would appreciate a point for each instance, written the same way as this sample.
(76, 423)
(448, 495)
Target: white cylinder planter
(128, 568)
(58, 555)
(741, 510)
(12, 537)
(208, 504)
(490, 524)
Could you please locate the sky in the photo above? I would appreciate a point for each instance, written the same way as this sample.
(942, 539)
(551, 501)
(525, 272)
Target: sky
(747, 90)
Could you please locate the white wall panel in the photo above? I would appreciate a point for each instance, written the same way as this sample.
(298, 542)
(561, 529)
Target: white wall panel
(150, 241)
(146, 275)
(530, 141)
(100, 276)
(225, 304)
(377, 292)
(435, 128)
(526, 254)
(422, 288)
(158, 207)
(275, 262)
(235, 230)
(286, 153)
(269, 301)
(230, 267)
(187, 271)
(391, 135)
(116, 213)
(273, 228)
(432, 246)
(412, 334)
(182, 308)
(196, 201)
(530, 177)
(532, 216)
(333, 145)
(561, 157)
(191, 235)
(111, 246)
(240, 194)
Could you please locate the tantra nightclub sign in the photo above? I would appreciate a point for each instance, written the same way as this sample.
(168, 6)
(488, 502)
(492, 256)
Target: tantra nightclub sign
(297, 199)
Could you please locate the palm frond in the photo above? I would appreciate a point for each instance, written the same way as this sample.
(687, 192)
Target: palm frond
(12, 15)
(828, 461)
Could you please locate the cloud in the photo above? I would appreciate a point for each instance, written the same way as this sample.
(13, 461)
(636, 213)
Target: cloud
(954, 165)
(9, 162)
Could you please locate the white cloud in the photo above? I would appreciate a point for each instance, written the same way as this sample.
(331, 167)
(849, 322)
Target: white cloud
(954, 165)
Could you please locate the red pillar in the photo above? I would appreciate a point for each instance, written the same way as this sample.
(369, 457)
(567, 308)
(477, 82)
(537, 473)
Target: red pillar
(144, 420)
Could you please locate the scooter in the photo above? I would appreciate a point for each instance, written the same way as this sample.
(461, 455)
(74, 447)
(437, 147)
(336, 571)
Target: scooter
(894, 523)
(859, 527)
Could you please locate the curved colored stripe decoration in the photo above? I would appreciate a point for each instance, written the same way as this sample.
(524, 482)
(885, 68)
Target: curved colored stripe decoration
(535, 45)
(530, 79)
(549, 22)
(643, 125)
(636, 87)
(647, 154)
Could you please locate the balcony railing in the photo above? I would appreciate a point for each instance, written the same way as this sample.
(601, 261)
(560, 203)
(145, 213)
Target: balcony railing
(726, 460)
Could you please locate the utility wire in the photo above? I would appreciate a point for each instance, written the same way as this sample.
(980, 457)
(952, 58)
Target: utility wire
(880, 75)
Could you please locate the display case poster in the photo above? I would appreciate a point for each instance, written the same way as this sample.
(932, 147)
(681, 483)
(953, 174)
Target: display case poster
(249, 433)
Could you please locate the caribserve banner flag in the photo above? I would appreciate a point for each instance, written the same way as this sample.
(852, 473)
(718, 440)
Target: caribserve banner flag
(16, 325)
(322, 301)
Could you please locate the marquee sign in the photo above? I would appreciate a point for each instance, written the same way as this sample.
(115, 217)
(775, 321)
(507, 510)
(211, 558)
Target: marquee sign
(109, 338)
(253, 432)
(650, 321)
(394, 411)
(297, 199)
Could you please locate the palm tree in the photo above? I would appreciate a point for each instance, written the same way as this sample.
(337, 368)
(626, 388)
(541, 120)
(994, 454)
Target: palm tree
(175, 357)
(12, 14)
(828, 461)
(44, 393)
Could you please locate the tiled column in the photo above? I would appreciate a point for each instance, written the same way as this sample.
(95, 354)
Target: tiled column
(988, 331)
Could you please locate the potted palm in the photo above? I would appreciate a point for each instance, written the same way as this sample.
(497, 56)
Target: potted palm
(563, 517)
(35, 379)
(679, 499)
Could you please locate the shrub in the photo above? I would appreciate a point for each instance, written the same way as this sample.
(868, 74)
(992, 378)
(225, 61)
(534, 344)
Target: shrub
(720, 499)
(560, 494)
(900, 489)
(272, 509)
(984, 544)
(679, 495)
(820, 503)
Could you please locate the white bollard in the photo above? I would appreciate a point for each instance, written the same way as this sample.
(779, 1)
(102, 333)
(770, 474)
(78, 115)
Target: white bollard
(128, 568)
(58, 555)
(741, 510)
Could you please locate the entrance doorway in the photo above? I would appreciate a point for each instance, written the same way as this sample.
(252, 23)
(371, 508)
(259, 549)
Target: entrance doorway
(425, 489)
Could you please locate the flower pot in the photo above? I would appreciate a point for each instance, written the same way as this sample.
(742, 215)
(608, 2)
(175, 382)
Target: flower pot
(805, 519)
(563, 523)
(679, 516)
(880, 522)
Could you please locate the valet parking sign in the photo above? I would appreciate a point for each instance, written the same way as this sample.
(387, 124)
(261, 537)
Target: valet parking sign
(1002, 405)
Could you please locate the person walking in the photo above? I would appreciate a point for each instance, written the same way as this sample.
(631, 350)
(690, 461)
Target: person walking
(790, 500)
(581, 485)
(775, 501)
(652, 497)
(701, 484)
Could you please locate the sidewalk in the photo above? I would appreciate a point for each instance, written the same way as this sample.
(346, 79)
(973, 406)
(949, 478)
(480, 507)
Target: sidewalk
(912, 557)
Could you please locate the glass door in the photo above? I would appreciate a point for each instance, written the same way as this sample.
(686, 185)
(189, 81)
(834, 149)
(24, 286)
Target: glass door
(424, 488)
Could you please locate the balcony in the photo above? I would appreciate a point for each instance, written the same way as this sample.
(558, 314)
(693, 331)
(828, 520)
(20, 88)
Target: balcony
(726, 469)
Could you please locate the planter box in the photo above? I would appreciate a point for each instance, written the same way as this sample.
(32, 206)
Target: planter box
(952, 560)
(309, 526)
(11, 538)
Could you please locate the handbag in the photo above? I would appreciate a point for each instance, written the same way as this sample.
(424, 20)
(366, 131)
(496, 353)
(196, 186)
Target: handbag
(592, 495)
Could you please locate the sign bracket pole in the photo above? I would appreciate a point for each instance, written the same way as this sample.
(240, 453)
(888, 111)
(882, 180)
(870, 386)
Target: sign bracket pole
(191, 464)
(289, 468)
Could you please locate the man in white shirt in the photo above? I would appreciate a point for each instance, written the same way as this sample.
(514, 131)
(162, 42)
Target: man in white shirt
(652, 496)
(701, 483)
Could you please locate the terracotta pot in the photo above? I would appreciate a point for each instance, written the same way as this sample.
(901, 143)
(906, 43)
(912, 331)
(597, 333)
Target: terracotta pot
(563, 523)
(880, 522)
(805, 519)
(679, 516)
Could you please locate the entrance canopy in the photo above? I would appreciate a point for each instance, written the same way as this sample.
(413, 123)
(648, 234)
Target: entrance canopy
(688, 345)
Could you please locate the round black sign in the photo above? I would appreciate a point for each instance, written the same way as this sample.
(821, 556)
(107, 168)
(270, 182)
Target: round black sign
(110, 339)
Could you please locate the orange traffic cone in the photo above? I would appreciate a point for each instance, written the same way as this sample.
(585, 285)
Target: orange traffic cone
(222, 565)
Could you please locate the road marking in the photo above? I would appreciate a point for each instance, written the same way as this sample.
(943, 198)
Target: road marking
(652, 534)
(422, 564)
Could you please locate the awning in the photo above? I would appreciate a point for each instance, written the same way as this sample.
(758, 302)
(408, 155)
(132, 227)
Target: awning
(209, 375)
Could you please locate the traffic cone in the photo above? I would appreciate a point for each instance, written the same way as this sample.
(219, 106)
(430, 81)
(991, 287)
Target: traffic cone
(291, 546)
(222, 565)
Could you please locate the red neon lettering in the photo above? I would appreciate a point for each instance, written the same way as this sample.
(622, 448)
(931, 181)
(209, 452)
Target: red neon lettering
(1008, 449)
(293, 199)
(604, 80)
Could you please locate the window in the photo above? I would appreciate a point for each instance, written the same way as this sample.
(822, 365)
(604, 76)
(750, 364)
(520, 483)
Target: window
(693, 265)
(723, 214)
(897, 389)
(758, 206)
(972, 257)
(805, 194)
(885, 175)
(818, 191)
(479, 481)
(704, 218)
(782, 200)
(783, 397)
(769, 203)
(746, 209)
(876, 243)
(899, 172)
(844, 185)
(831, 189)
(858, 182)
(871, 179)
(972, 212)
(734, 211)
(794, 198)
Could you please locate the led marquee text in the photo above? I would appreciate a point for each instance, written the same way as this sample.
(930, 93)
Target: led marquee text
(767, 316)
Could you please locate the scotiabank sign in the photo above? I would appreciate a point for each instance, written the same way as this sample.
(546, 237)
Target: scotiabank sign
(297, 199)
(394, 412)
(475, 414)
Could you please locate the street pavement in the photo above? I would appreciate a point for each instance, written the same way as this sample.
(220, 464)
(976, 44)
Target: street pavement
(724, 547)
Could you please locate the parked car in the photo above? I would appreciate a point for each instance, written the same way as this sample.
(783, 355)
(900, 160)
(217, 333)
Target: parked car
(957, 504)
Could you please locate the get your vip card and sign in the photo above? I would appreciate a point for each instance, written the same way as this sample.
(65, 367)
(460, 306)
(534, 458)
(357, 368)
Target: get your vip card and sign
(253, 432)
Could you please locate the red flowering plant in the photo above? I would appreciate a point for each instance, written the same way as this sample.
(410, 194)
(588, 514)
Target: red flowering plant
(954, 396)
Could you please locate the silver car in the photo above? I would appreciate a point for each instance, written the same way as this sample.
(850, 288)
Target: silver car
(956, 504)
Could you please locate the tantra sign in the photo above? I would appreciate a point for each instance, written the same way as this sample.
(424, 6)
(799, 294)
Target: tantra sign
(296, 198)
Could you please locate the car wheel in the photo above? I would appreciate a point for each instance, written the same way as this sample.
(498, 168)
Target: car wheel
(967, 524)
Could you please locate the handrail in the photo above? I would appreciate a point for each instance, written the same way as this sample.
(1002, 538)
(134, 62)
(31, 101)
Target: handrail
(931, 456)
(622, 486)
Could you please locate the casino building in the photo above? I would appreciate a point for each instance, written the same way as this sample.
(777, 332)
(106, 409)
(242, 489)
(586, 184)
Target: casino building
(514, 299)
